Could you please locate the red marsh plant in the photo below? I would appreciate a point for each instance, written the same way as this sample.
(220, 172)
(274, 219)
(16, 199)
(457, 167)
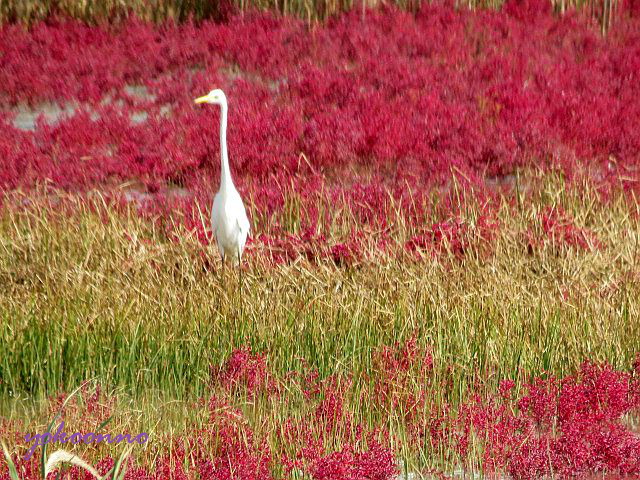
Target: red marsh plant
(374, 111)
(571, 427)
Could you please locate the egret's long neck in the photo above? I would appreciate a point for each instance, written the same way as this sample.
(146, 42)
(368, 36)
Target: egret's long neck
(225, 172)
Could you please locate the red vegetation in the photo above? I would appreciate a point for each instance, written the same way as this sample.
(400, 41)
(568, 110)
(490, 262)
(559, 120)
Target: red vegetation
(370, 113)
(558, 230)
(571, 427)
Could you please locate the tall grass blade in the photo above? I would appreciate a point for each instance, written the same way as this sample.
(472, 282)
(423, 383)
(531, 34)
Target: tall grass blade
(116, 474)
(13, 473)
(43, 462)
(105, 423)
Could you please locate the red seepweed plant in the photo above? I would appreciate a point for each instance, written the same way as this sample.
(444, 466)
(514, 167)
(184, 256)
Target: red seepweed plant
(567, 427)
(374, 112)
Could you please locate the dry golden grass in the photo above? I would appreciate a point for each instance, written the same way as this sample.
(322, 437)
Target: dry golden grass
(90, 292)
(90, 273)
(29, 11)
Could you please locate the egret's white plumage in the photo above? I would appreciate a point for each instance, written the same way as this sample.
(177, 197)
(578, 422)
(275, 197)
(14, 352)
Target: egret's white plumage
(228, 215)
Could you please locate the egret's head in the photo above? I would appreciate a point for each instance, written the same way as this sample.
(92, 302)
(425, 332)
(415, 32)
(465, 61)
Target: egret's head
(217, 97)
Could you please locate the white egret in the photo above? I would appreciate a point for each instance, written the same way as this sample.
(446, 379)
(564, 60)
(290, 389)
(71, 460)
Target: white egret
(228, 215)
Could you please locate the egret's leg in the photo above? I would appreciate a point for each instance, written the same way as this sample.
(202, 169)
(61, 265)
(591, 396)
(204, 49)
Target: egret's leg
(240, 278)
(223, 265)
(237, 263)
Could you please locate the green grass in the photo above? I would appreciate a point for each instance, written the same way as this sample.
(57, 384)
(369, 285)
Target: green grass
(91, 292)
(79, 299)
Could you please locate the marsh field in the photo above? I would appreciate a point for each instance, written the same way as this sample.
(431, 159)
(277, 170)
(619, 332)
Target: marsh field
(442, 278)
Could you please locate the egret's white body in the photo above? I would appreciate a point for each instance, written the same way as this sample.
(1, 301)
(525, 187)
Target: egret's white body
(228, 216)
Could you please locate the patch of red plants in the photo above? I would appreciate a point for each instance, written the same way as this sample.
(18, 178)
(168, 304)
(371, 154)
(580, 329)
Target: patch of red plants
(373, 111)
(558, 229)
(571, 427)
(247, 370)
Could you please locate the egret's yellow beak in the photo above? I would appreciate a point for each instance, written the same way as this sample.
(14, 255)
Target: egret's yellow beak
(202, 99)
